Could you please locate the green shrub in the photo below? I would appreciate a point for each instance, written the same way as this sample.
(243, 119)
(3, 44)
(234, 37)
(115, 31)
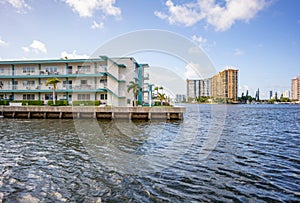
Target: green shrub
(4, 102)
(58, 103)
(86, 103)
(29, 102)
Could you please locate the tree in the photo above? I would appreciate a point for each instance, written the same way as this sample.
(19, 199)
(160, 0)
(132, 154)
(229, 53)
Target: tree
(135, 88)
(53, 82)
(156, 89)
(161, 97)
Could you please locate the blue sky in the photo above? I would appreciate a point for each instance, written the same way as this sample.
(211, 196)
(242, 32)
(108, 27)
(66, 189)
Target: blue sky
(259, 37)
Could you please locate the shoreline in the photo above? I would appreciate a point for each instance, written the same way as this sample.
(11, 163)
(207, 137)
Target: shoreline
(96, 112)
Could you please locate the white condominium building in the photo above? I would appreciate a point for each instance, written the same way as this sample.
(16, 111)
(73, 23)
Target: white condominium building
(105, 79)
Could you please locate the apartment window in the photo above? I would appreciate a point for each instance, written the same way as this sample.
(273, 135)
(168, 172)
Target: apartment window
(83, 97)
(1, 70)
(28, 69)
(84, 68)
(83, 82)
(28, 96)
(28, 83)
(51, 69)
(103, 96)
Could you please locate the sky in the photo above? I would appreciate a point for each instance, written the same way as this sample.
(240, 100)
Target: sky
(260, 38)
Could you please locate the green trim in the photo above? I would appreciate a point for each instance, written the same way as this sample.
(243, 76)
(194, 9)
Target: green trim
(51, 61)
(51, 76)
(111, 92)
(115, 63)
(113, 77)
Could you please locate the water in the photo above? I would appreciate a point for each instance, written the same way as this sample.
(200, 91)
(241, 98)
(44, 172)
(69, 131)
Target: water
(249, 154)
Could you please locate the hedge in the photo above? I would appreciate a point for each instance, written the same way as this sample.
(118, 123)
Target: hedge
(4, 102)
(58, 103)
(29, 102)
(86, 103)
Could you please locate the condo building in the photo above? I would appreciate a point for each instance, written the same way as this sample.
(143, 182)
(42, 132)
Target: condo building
(198, 88)
(225, 85)
(105, 79)
(296, 89)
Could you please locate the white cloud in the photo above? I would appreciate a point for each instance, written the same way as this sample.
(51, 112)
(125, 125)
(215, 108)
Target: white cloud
(238, 52)
(87, 8)
(20, 5)
(73, 55)
(36, 46)
(221, 17)
(186, 14)
(199, 39)
(191, 71)
(2, 42)
(97, 25)
(160, 15)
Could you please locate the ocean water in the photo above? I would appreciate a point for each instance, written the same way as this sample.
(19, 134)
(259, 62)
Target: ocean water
(218, 153)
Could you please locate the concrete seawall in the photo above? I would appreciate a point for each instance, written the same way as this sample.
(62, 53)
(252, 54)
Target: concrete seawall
(65, 112)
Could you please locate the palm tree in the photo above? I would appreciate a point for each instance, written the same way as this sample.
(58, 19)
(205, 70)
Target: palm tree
(135, 88)
(53, 82)
(161, 97)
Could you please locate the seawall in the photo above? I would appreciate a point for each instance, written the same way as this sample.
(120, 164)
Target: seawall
(71, 112)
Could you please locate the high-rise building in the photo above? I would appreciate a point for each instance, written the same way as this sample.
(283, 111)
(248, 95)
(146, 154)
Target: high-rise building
(105, 79)
(271, 94)
(180, 98)
(286, 94)
(198, 88)
(296, 89)
(225, 85)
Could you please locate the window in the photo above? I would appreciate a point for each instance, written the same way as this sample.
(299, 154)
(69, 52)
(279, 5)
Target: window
(28, 96)
(48, 96)
(28, 69)
(28, 83)
(51, 69)
(83, 82)
(103, 96)
(84, 68)
(1, 70)
(83, 97)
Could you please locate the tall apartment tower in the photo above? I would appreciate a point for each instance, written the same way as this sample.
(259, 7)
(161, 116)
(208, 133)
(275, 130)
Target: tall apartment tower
(225, 85)
(296, 89)
(198, 88)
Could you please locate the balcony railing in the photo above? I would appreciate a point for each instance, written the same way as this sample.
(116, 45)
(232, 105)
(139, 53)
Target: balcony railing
(59, 87)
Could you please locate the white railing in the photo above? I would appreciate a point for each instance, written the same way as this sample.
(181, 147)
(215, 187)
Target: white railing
(58, 87)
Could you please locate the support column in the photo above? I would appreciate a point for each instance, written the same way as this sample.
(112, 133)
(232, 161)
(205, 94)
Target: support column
(149, 115)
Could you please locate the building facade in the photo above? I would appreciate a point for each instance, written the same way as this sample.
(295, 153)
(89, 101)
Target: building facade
(105, 79)
(198, 88)
(296, 89)
(180, 98)
(225, 85)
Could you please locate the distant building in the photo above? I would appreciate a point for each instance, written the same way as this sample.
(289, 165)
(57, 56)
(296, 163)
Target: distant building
(180, 98)
(225, 85)
(198, 88)
(296, 89)
(286, 94)
(271, 94)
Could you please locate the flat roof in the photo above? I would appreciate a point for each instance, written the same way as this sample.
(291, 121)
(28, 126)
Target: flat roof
(43, 61)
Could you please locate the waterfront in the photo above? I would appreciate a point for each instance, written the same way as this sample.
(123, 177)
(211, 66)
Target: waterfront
(256, 158)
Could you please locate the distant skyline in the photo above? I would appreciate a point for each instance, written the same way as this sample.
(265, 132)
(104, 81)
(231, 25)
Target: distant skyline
(258, 37)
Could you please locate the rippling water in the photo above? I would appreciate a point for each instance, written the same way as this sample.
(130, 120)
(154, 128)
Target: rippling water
(250, 153)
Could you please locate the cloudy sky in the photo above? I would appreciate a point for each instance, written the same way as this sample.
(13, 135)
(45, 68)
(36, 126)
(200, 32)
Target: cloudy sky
(259, 37)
